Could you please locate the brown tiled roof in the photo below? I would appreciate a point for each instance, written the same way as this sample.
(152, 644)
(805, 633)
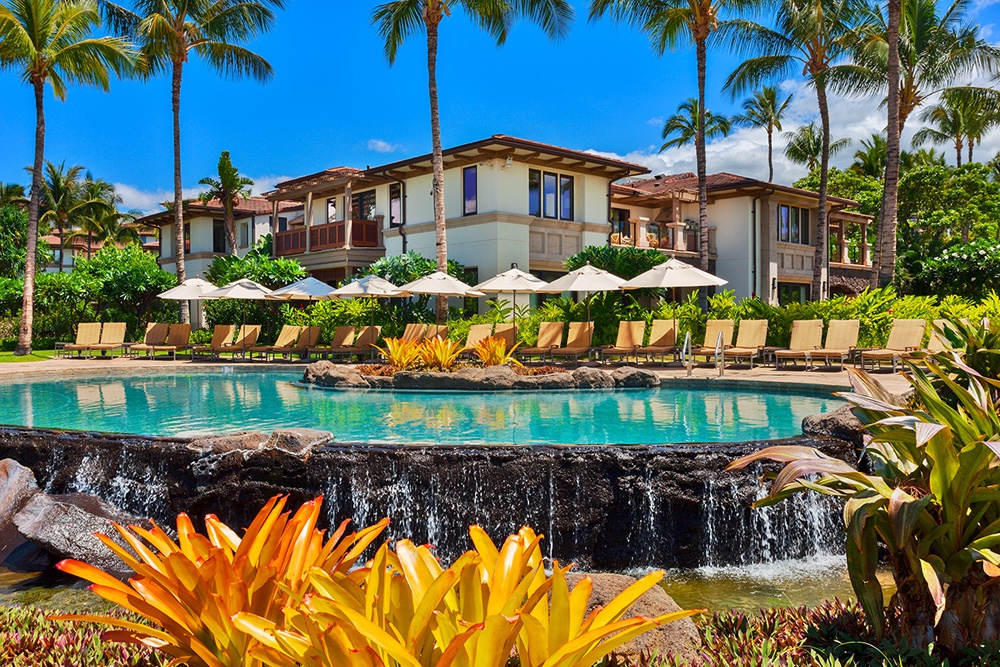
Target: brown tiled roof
(246, 207)
(80, 243)
(688, 182)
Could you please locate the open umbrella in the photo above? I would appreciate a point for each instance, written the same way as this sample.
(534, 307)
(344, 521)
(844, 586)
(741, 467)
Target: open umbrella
(243, 289)
(585, 279)
(191, 289)
(515, 280)
(369, 287)
(672, 274)
(440, 284)
(307, 289)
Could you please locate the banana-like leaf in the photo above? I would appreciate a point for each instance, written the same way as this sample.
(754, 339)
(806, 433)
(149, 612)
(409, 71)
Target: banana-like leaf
(904, 513)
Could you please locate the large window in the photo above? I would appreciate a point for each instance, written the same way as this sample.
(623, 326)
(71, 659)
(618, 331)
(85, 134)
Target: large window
(282, 224)
(331, 209)
(219, 236)
(363, 206)
(793, 224)
(793, 293)
(621, 228)
(535, 193)
(550, 195)
(470, 201)
(565, 197)
(395, 204)
(244, 234)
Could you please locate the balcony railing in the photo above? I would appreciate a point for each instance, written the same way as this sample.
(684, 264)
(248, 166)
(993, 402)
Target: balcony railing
(364, 234)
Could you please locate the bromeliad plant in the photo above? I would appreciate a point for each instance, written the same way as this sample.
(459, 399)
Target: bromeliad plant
(932, 501)
(493, 351)
(191, 589)
(401, 354)
(439, 353)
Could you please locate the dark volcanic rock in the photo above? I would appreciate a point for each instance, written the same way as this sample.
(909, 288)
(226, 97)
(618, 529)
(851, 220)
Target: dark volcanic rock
(629, 377)
(841, 423)
(548, 381)
(680, 638)
(65, 525)
(472, 378)
(17, 486)
(327, 374)
(379, 381)
(592, 378)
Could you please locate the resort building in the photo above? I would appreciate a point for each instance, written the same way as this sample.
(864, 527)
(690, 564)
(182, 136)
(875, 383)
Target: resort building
(514, 201)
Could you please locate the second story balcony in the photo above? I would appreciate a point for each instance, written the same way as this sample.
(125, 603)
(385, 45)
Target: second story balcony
(364, 234)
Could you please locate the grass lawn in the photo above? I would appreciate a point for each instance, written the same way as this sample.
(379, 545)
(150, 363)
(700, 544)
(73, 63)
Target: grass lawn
(36, 355)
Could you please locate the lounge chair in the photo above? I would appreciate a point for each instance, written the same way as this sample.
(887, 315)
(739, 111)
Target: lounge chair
(178, 340)
(87, 334)
(222, 336)
(112, 338)
(750, 341)
(508, 332)
(415, 332)
(436, 331)
(287, 336)
(363, 344)
(807, 336)
(662, 341)
(712, 330)
(578, 342)
(308, 338)
(342, 337)
(841, 342)
(627, 344)
(156, 334)
(550, 336)
(247, 338)
(905, 338)
(477, 334)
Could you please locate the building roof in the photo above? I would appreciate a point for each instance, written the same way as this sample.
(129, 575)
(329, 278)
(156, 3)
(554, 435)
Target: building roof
(193, 208)
(687, 183)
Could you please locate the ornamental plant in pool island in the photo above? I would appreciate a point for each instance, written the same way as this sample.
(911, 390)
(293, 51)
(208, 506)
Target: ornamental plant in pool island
(931, 500)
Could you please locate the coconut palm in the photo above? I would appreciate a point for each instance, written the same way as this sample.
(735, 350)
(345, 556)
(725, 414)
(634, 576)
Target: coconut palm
(805, 146)
(765, 109)
(12, 194)
(229, 189)
(62, 199)
(112, 226)
(960, 118)
(101, 202)
(809, 36)
(397, 20)
(684, 124)
(920, 158)
(668, 23)
(172, 32)
(50, 42)
(870, 158)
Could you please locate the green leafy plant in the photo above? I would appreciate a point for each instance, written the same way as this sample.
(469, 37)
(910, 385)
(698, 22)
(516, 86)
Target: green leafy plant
(401, 354)
(439, 353)
(493, 351)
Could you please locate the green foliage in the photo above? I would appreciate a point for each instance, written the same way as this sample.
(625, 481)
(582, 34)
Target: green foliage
(969, 270)
(942, 203)
(624, 261)
(13, 241)
(850, 184)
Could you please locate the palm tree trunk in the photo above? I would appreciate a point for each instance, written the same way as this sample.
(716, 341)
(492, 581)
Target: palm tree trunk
(62, 247)
(958, 151)
(231, 232)
(175, 99)
(970, 150)
(770, 154)
(437, 160)
(824, 177)
(699, 144)
(28, 300)
(890, 192)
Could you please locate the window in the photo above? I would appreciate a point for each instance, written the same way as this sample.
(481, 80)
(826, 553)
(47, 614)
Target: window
(363, 206)
(565, 197)
(550, 197)
(395, 204)
(187, 238)
(535, 193)
(621, 228)
(470, 203)
(282, 224)
(219, 236)
(792, 293)
(793, 224)
(331, 209)
(244, 234)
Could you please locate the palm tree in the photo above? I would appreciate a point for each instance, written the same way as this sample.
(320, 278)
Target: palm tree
(667, 23)
(49, 41)
(229, 189)
(808, 36)
(871, 157)
(101, 203)
(398, 19)
(805, 146)
(765, 109)
(170, 33)
(112, 226)
(920, 158)
(12, 194)
(684, 124)
(62, 199)
(947, 125)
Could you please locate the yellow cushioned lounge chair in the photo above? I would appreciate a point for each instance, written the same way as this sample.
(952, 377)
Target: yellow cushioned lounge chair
(222, 335)
(342, 337)
(87, 334)
(807, 335)
(841, 342)
(364, 344)
(550, 335)
(477, 334)
(414, 332)
(578, 342)
(712, 330)
(662, 341)
(112, 338)
(436, 331)
(156, 334)
(627, 343)
(287, 336)
(750, 341)
(178, 340)
(905, 338)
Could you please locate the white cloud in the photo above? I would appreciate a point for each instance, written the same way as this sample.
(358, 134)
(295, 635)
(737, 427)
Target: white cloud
(382, 146)
(656, 121)
(150, 201)
(744, 151)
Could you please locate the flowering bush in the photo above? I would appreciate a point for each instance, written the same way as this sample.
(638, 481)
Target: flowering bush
(970, 270)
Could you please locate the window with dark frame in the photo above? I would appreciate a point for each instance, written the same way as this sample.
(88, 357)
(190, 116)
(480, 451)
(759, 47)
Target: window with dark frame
(363, 205)
(396, 205)
(470, 182)
(331, 209)
(219, 236)
(793, 224)
(187, 239)
(550, 195)
(535, 193)
(282, 224)
(621, 227)
(565, 197)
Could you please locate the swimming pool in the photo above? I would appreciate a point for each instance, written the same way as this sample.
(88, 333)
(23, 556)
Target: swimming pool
(220, 402)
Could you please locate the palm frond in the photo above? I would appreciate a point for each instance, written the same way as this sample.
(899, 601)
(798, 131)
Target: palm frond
(396, 21)
(235, 62)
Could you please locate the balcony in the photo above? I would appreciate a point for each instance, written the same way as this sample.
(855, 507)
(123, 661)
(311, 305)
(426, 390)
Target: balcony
(364, 234)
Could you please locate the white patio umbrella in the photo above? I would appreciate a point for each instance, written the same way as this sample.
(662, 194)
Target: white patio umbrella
(243, 289)
(672, 274)
(369, 287)
(585, 279)
(513, 281)
(307, 289)
(440, 284)
(191, 289)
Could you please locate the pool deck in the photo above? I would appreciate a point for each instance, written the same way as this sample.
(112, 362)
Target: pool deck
(815, 380)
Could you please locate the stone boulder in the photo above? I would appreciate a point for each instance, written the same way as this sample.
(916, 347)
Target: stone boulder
(629, 377)
(841, 423)
(17, 487)
(379, 381)
(679, 638)
(327, 374)
(220, 444)
(298, 440)
(548, 381)
(472, 378)
(65, 526)
(586, 377)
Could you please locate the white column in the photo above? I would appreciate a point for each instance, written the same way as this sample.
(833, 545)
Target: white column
(274, 230)
(308, 211)
(348, 216)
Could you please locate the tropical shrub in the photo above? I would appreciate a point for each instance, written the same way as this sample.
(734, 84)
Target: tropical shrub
(13, 241)
(191, 589)
(931, 501)
(623, 261)
(971, 270)
(440, 353)
(493, 351)
(401, 354)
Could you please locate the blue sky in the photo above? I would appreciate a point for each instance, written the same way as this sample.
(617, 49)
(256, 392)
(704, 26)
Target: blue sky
(335, 100)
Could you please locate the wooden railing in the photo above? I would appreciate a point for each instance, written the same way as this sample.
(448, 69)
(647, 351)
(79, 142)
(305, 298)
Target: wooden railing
(364, 234)
(292, 242)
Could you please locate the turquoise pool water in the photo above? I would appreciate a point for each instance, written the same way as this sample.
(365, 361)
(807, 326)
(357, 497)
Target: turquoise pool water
(221, 402)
